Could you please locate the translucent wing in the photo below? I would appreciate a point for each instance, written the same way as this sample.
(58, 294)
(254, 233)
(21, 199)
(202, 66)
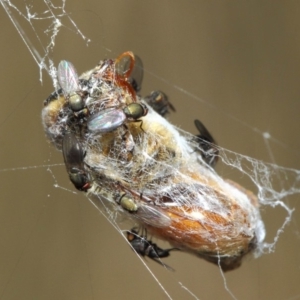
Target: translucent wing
(206, 144)
(136, 76)
(67, 77)
(73, 157)
(72, 152)
(125, 64)
(106, 120)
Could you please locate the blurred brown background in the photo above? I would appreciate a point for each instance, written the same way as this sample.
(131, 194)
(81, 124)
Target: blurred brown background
(238, 64)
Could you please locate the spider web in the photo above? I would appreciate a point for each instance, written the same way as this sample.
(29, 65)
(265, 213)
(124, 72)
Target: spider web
(41, 220)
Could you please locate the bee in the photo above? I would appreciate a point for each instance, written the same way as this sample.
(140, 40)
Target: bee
(151, 173)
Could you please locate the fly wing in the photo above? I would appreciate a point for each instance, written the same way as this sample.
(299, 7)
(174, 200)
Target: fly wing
(136, 76)
(204, 133)
(106, 120)
(67, 77)
(72, 152)
(125, 64)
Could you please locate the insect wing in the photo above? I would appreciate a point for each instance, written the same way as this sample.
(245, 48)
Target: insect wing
(204, 133)
(152, 215)
(207, 144)
(67, 77)
(125, 63)
(136, 76)
(73, 157)
(106, 120)
(72, 151)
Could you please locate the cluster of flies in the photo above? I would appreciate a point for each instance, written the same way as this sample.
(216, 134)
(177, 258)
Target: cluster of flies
(85, 117)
